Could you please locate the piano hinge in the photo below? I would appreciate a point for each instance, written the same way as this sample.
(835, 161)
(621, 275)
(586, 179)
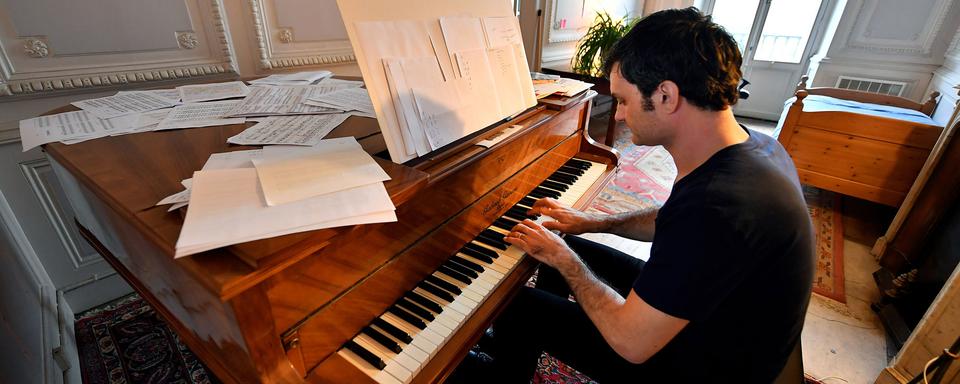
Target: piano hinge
(291, 345)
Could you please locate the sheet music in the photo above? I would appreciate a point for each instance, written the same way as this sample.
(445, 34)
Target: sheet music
(403, 106)
(500, 136)
(340, 83)
(200, 115)
(70, 127)
(172, 94)
(226, 208)
(298, 78)
(124, 104)
(215, 91)
(291, 130)
(500, 31)
(281, 100)
(330, 166)
(439, 110)
(462, 34)
(348, 99)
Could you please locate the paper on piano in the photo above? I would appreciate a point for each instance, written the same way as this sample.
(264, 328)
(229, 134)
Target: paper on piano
(200, 115)
(235, 159)
(172, 94)
(226, 207)
(281, 100)
(330, 166)
(340, 83)
(70, 127)
(215, 91)
(347, 99)
(298, 78)
(570, 87)
(501, 30)
(178, 199)
(501, 136)
(291, 130)
(546, 89)
(124, 104)
(439, 111)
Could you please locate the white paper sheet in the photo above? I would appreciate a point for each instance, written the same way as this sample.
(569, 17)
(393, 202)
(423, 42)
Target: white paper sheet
(397, 83)
(226, 208)
(500, 31)
(70, 127)
(172, 94)
(330, 166)
(439, 109)
(340, 83)
(214, 91)
(501, 136)
(235, 159)
(462, 34)
(638, 249)
(124, 104)
(282, 100)
(348, 99)
(290, 130)
(298, 78)
(200, 115)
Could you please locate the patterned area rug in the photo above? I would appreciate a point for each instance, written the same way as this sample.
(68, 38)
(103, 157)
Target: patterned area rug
(825, 210)
(127, 342)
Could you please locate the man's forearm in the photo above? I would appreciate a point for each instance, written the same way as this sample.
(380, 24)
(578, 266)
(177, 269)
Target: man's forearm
(637, 225)
(598, 300)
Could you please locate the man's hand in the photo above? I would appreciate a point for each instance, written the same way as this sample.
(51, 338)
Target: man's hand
(542, 244)
(567, 220)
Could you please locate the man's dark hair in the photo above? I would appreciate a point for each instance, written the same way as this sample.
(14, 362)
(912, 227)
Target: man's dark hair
(685, 47)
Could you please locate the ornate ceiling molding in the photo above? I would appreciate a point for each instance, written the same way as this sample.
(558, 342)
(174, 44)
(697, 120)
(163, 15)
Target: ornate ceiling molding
(221, 65)
(923, 44)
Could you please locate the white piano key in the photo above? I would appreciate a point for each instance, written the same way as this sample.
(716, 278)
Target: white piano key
(365, 367)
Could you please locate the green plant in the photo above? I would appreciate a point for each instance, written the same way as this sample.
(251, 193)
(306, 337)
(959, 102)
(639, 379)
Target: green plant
(600, 37)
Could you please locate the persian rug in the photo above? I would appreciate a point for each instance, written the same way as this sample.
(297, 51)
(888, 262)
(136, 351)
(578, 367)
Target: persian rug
(126, 341)
(825, 211)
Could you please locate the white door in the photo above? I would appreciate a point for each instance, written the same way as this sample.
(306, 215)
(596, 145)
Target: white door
(775, 37)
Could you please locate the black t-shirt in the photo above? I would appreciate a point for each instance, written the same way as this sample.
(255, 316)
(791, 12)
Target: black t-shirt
(733, 254)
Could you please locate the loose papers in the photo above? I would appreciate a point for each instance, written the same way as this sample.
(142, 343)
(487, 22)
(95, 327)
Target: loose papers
(200, 115)
(291, 130)
(331, 166)
(124, 104)
(73, 126)
(226, 208)
(215, 91)
(299, 78)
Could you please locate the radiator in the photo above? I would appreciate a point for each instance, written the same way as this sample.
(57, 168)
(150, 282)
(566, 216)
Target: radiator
(885, 87)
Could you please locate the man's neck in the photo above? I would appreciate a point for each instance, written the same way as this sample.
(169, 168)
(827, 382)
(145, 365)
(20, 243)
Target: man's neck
(702, 134)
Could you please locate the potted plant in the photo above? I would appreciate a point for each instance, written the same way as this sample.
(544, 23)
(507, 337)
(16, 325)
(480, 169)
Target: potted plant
(600, 37)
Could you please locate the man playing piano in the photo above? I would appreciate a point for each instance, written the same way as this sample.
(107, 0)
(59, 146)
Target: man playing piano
(723, 295)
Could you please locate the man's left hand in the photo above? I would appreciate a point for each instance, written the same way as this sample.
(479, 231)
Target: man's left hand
(541, 243)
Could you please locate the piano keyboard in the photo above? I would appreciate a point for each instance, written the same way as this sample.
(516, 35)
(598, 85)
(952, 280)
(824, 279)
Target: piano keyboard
(396, 345)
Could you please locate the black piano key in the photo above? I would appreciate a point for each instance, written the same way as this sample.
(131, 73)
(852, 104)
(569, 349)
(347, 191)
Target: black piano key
(427, 303)
(454, 274)
(549, 192)
(578, 164)
(554, 186)
(392, 330)
(382, 339)
(572, 170)
(476, 255)
(467, 263)
(444, 284)
(521, 212)
(436, 291)
(528, 201)
(480, 249)
(562, 178)
(365, 354)
(516, 216)
(408, 317)
(407, 304)
(504, 224)
(463, 270)
(491, 242)
(541, 193)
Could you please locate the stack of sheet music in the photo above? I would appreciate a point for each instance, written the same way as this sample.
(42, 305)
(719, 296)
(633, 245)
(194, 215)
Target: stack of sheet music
(203, 105)
(561, 86)
(278, 190)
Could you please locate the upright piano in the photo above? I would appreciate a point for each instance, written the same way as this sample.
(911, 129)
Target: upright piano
(391, 302)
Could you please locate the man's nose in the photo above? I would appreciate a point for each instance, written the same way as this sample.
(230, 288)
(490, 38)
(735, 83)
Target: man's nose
(620, 115)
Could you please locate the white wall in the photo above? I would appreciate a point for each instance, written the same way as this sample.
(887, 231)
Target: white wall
(565, 22)
(890, 40)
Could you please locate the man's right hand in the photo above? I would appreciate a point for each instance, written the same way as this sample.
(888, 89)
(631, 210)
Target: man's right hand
(567, 220)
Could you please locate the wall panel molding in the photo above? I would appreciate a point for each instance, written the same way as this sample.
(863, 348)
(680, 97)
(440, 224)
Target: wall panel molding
(39, 174)
(921, 44)
(30, 65)
(278, 46)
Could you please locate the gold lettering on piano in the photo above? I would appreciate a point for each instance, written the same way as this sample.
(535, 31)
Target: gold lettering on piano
(499, 202)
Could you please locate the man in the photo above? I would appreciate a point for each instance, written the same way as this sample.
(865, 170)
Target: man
(723, 295)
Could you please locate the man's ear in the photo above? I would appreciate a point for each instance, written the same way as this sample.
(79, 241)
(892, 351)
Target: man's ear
(669, 96)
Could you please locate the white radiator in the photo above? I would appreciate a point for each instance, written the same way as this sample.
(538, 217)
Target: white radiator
(885, 87)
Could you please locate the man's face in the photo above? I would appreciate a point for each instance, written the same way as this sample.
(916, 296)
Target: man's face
(636, 111)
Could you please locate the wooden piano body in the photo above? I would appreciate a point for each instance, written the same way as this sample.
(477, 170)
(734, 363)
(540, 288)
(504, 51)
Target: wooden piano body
(277, 310)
